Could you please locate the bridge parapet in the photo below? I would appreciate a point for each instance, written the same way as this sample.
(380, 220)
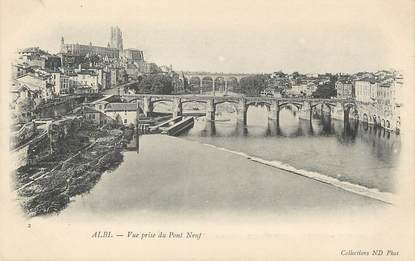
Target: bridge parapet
(247, 98)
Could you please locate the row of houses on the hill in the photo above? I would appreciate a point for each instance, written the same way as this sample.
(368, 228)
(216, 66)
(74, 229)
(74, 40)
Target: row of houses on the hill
(383, 87)
(49, 84)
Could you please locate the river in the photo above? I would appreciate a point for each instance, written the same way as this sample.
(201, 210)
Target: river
(222, 169)
(358, 153)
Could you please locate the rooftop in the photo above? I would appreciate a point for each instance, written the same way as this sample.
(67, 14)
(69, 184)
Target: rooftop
(85, 109)
(121, 107)
(89, 72)
(366, 79)
(33, 50)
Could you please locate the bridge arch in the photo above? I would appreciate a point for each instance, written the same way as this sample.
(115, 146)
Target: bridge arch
(192, 105)
(242, 78)
(161, 100)
(383, 123)
(260, 103)
(257, 113)
(232, 84)
(329, 105)
(195, 84)
(287, 104)
(194, 80)
(207, 83)
(226, 101)
(195, 100)
(156, 105)
(226, 105)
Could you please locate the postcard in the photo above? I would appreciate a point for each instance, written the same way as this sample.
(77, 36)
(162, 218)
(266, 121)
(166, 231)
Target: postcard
(207, 130)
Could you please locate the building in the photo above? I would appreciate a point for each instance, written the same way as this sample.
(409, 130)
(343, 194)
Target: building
(397, 86)
(37, 58)
(83, 50)
(116, 41)
(298, 90)
(104, 79)
(93, 115)
(344, 89)
(64, 82)
(20, 70)
(86, 81)
(122, 113)
(133, 55)
(270, 92)
(384, 93)
(42, 84)
(151, 68)
(100, 104)
(366, 90)
(113, 72)
(69, 60)
(23, 99)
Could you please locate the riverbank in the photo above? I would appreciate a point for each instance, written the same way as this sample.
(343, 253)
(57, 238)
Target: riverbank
(171, 177)
(72, 169)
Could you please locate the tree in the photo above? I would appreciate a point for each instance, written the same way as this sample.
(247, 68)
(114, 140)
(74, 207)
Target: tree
(155, 84)
(253, 85)
(186, 84)
(325, 91)
(161, 84)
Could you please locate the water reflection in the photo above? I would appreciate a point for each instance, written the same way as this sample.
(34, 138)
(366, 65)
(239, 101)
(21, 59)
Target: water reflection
(344, 148)
(209, 130)
(293, 126)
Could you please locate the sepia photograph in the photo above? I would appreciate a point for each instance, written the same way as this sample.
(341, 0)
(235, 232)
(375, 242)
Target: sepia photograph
(207, 130)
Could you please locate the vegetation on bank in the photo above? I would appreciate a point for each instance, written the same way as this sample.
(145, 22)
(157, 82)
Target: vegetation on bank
(327, 90)
(254, 84)
(48, 186)
(155, 84)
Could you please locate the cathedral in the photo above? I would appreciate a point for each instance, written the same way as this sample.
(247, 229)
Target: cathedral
(113, 49)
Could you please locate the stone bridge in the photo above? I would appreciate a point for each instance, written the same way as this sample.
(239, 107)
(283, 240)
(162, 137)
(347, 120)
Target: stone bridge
(217, 82)
(241, 104)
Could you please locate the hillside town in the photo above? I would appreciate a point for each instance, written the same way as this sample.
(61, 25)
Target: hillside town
(40, 78)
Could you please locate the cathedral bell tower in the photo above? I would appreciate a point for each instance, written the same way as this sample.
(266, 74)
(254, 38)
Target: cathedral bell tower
(62, 45)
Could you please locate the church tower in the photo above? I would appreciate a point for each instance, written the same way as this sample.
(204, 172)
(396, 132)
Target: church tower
(62, 45)
(116, 38)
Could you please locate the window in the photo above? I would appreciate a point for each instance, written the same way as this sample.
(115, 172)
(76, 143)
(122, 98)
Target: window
(125, 120)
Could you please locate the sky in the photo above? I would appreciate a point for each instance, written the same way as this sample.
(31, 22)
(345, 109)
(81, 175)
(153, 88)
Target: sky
(228, 36)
